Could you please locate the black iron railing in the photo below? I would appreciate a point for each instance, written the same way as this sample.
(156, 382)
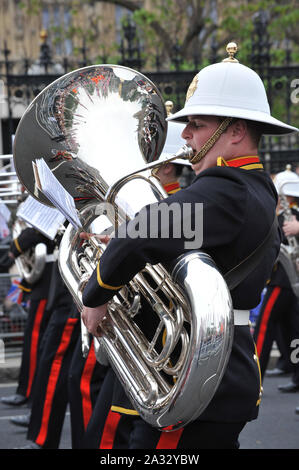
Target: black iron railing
(23, 80)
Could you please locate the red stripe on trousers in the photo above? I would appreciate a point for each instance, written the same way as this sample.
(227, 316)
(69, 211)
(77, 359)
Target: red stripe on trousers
(85, 385)
(110, 430)
(265, 319)
(34, 343)
(53, 377)
(169, 440)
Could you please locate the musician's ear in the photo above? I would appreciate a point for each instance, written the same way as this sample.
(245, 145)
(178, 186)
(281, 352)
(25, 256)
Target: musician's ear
(238, 130)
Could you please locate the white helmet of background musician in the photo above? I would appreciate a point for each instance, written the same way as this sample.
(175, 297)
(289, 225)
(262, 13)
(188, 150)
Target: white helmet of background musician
(173, 143)
(287, 183)
(230, 89)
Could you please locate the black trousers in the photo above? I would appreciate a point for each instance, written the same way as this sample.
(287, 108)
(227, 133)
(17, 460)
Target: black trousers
(111, 429)
(37, 321)
(50, 395)
(278, 321)
(196, 435)
(84, 382)
(93, 435)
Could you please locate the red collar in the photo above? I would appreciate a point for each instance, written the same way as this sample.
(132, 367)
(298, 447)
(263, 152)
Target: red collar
(171, 188)
(246, 163)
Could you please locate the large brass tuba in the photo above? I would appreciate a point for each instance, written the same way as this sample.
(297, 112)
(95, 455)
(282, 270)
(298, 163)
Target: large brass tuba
(101, 130)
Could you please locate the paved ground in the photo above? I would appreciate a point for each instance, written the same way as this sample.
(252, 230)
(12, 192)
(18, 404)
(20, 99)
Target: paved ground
(276, 428)
(12, 436)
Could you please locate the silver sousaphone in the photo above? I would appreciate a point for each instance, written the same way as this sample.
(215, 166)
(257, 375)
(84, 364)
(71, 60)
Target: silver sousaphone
(101, 131)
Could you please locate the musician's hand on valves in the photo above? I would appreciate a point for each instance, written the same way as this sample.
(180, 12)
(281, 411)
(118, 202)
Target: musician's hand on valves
(102, 238)
(291, 227)
(92, 318)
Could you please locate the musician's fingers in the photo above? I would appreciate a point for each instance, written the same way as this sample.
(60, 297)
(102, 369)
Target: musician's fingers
(102, 238)
(93, 317)
(291, 220)
(85, 235)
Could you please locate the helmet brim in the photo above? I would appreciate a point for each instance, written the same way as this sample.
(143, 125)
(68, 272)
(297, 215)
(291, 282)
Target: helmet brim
(269, 124)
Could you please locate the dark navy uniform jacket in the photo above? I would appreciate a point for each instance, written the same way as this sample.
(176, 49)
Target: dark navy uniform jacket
(239, 204)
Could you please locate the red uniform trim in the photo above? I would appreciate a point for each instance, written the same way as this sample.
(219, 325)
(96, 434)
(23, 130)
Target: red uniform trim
(53, 378)
(169, 440)
(171, 186)
(265, 319)
(110, 428)
(241, 161)
(85, 385)
(34, 343)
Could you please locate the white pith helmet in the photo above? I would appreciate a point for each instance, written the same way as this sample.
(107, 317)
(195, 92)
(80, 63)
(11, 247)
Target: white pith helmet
(230, 89)
(173, 143)
(287, 183)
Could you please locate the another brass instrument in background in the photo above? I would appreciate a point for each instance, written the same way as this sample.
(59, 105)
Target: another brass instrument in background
(30, 264)
(10, 188)
(289, 254)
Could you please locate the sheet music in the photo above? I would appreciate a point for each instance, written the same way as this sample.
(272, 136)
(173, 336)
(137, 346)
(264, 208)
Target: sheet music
(47, 182)
(46, 220)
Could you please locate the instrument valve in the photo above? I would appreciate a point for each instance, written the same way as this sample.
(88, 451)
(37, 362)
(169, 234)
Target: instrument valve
(135, 306)
(159, 309)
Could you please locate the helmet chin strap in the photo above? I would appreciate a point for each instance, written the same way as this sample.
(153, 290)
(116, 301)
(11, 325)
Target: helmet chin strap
(211, 141)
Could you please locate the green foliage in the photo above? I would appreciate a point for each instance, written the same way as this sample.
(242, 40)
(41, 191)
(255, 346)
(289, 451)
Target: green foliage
(230, 24)
(31, 7)
(173, 19)
(144, 17)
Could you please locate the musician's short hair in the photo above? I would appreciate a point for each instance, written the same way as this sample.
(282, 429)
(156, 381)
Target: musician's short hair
(255, 129)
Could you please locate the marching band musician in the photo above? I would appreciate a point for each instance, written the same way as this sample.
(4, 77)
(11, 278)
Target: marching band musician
(279, 314)
(53, 344)
(5, 260)
(56, 341)
(50, 394)
(291, 229)
(38, 315)
(225, 114)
